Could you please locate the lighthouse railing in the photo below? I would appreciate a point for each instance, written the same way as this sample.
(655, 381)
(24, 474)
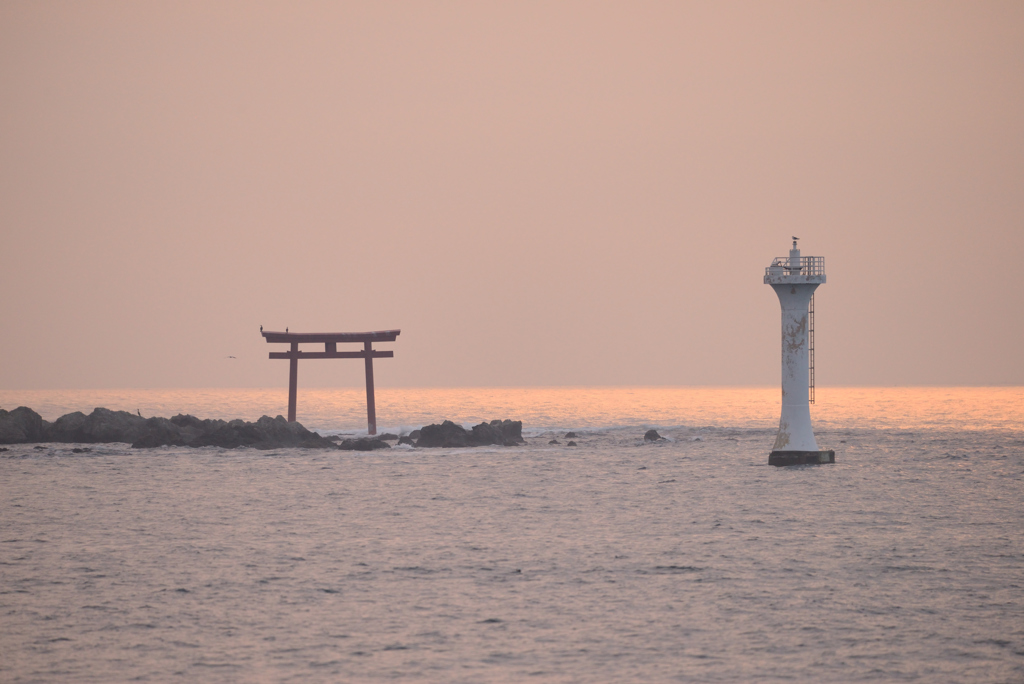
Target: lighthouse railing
(809, 265)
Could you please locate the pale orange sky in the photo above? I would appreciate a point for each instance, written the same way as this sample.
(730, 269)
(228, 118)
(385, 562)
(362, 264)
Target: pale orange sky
(535, 193)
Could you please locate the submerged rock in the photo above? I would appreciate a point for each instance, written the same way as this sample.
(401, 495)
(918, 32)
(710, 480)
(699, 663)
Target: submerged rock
(571, 435)
(364, 444)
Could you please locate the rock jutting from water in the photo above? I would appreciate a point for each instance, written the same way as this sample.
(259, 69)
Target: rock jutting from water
(21, 425)
(448, 434)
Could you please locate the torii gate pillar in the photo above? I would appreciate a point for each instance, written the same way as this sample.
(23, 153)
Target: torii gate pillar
(371, 409)
(330, 342)
(293, 382)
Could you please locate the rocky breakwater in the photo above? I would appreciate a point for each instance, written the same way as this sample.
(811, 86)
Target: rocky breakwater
(103, 425)
(448, 434)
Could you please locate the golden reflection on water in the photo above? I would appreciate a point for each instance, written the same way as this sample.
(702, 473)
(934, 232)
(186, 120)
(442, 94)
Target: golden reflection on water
(908, 408)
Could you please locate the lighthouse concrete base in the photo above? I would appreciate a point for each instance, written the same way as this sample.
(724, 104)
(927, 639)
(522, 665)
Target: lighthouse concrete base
(791, 458)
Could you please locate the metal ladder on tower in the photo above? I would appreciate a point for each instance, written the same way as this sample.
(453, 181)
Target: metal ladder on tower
(810, 348)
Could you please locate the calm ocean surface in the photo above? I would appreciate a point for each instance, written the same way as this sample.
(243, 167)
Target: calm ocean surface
(684, 560)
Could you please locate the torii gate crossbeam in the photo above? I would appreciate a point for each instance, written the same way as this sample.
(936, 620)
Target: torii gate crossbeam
(330, 342)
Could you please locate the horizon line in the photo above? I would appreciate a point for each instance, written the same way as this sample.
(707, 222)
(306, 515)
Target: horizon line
(503, 387)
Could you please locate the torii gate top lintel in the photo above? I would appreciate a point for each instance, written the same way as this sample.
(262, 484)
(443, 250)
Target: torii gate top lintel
(375, 336)
(330, 342)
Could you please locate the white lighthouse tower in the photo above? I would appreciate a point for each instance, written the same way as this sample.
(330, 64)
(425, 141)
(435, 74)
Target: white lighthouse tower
(794, 280)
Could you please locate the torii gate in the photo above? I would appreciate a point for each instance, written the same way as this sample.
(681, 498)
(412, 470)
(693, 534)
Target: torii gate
(330, 341)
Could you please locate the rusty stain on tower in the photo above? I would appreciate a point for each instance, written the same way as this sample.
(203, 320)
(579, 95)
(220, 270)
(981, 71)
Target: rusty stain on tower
(330, 342)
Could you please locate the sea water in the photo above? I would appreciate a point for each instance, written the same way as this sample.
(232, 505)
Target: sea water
(687, 559)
